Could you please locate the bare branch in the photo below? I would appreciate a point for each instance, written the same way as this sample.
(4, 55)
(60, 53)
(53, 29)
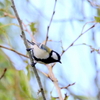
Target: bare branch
(68, 86)
(55, 81)
(3, 73)
(93, 3)
(14, 51)
(90, 46)
(30, 33)
(50, 22)
(26, 44)
(82, 33)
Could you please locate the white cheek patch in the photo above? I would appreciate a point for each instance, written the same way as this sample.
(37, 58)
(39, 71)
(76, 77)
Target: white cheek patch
(54, 55)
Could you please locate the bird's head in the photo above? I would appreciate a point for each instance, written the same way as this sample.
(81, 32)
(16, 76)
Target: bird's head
(55, 56)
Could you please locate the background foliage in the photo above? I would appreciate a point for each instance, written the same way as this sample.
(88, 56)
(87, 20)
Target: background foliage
(79, 65)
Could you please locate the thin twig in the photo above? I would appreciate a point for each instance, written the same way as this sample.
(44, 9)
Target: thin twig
(93, 3)
(96, 78)
(3, 73)
(50, 22)
(26, 44)
(55, 81)
(90, 46)
(77, 39)
(68, 86)
(30, 33)
(14, 51)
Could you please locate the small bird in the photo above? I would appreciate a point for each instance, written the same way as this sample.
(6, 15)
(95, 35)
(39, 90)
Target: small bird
(43, 54)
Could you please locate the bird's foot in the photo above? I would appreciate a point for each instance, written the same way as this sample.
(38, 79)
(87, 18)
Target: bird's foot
(33, 64)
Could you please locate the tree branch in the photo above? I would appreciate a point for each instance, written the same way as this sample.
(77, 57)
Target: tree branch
(14, 51)
(50, 22)
(55, 81)
(26, 44)
(3, 73)
(68, 86)
(82, 33)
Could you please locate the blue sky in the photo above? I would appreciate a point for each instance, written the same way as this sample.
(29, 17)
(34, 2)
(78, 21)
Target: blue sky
(77, 62)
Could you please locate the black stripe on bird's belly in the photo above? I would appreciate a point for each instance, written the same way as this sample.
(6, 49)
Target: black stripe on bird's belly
(46, 61)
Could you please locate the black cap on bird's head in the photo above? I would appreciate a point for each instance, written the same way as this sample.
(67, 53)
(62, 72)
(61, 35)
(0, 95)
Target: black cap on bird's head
(55, 56)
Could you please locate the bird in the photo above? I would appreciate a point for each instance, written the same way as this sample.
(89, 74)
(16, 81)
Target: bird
(43, 54)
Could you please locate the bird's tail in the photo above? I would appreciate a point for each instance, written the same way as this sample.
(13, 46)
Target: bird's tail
(32, 43)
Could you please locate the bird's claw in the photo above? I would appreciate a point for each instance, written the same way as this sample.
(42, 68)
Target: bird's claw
(33, 64)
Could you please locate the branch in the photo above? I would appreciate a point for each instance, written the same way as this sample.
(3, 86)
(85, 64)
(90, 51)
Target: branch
(90, 46)
(51, 75)
(25, 42)
(14, 51)
(50, 22)
(3, 73)
(93, 3)
(68, 86)
(82, 33)
(55, 81)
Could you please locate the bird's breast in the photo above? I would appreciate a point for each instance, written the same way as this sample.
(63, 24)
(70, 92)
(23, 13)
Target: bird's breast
(40, 53)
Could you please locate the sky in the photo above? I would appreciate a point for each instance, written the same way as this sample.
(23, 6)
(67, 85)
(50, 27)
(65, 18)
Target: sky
(78, 63)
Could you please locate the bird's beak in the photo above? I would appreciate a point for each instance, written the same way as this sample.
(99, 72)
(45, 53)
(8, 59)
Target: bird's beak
(60, 62)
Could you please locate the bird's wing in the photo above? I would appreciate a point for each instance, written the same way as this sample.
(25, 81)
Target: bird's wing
(41, 46)
(40, 52)
(44, 47)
